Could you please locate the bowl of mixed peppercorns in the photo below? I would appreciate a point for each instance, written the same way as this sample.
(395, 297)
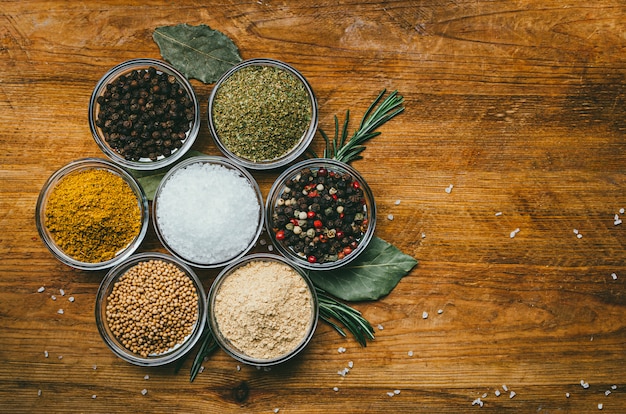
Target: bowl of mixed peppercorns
(151, 309)
(144, 114)
(320, 214)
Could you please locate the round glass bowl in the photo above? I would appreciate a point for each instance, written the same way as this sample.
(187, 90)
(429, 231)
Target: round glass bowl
(62, 219)
(139, 104)
(208, 211)
(257, 125)
(262, 310)
(136, 298)
(337, 222)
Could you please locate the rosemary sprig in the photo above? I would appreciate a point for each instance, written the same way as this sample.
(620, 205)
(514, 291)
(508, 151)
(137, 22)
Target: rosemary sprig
(350, 318)
(347, 150)
(208, 345)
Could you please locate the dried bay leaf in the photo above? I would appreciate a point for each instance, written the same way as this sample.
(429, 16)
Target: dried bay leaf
(370, 276)
(199, 52)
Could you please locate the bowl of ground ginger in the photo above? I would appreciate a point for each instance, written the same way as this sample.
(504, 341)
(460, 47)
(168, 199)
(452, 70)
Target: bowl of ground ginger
(151, 309)
(91, 214)
(262, 310)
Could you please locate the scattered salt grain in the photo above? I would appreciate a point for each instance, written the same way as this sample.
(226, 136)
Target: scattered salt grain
(440, 311)
(607, 392)
(512, 394)
(575, 231)
(238, 368)
(270, 248)
(60, 356)
(343, 372)
(39, 393)
(144, 391)
(579, 236)
(60, 312)
(201, 370)
(477, 401)
(62, 292)
(147, 377)
(45, 354)
(71, 298)
(423, 235)
(53, 297)
(499, 213)
(397, 202)
(380, 327)
(350, 364)
(95, 367)
(276, 410)
(390, 217)
(341, 349)
(616, 220)
(621, 210)
(410, 353)
(600, 406)
(41, 289)
(93, 396)
(504, 387)
(262, 242)
(584, 384)
(335, 389)
(449, 189)
(484, 395)
(396, 392)
(567, 395)
(614, 276)
(497, 392)
(390, 393)
(424, 315)
(514, 232)
(613, 387)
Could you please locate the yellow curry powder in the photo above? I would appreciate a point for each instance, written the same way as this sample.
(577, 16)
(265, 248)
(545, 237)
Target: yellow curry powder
(92, 215)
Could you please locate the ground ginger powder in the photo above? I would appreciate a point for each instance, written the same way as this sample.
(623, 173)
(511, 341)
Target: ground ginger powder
(264, 308)
(92, 215)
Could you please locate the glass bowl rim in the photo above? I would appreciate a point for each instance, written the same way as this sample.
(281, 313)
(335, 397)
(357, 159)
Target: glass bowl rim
(125, 67)
(230, 350)
(304, 141)
(227, 163)
(81, 165)
(100, 306)
(279, 183)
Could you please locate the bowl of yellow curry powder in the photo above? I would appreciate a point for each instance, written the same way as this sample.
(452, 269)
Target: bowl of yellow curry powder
(92, 214)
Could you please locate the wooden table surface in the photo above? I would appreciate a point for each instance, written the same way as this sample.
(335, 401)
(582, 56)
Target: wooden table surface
(519, 105)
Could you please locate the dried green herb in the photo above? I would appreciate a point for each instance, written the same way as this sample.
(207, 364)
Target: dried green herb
(199, 52)
(331, 309)
(207, 347)
(261, 112)
(370, 276)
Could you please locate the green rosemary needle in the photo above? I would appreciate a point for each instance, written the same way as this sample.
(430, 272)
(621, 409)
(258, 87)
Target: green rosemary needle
(208, 345)
(331, 309)
(347, 150)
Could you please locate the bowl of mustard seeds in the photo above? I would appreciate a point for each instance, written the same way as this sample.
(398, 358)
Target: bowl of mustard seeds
(150, 309)
(262, 114)
(91, 214)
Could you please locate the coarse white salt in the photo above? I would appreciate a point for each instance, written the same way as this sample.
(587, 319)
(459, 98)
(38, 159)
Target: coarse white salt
(424, 315)
(621, 211)
(584, 384)
(93, 396)
(512, 394)
(617, 221)
(499, 213)
(614, 276)
(497, 392)
(575, 231)
(350, 364)
(238, 368)
(504, 387)
(201, 370)
(484, 395)
(390, 393)
(440, 311)
(613, 387)
(607, 392)
(567, 395)
(343, 372)
(38, 393)
(397, 202)
(276, 410)
(477, 401)
(390, 217)
(449, 188)
(71, 299)
(335, 389)
(423, 235)
(60, 356)
(262, 242)
(579, 236)
(380, 327)
(45, 354)
(62, 292)
(270, 247)
(341, 349)
(396, 392)
(53, 297)
(60, 312)
(600, 406)
(144, 391)
(207, 213)
(95, 367)
(514, 232)
(41, 289)
(410, 353)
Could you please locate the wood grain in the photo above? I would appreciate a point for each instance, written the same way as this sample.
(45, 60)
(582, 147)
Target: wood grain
(519, 105)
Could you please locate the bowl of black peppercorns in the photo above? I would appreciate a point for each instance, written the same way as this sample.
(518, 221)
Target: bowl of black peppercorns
(320, 214)
(144, 114)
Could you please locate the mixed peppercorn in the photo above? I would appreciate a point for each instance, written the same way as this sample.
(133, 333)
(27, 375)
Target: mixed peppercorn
(145, 114)
(320, 215)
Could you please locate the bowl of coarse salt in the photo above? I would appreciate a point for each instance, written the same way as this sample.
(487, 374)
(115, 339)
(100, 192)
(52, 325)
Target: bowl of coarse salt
(262, 310)
(208, 211)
